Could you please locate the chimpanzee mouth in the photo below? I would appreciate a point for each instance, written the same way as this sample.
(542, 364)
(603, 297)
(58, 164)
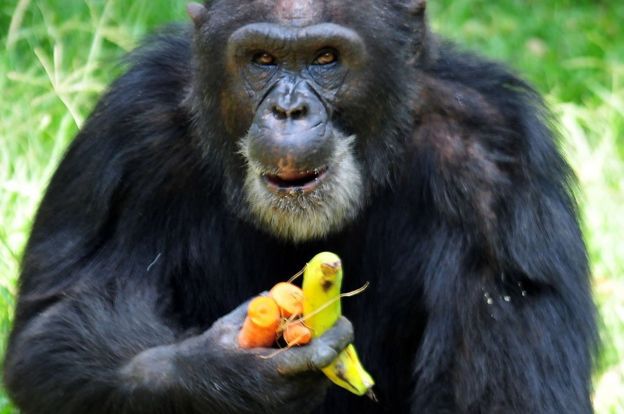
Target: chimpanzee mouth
(295, 181)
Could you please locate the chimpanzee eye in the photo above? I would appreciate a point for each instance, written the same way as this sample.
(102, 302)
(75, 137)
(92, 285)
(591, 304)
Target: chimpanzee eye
(326, 57)
(264, 59)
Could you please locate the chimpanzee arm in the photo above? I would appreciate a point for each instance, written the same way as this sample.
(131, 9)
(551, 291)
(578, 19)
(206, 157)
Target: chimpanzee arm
(97, 354)
(89, 353)
(511, 322)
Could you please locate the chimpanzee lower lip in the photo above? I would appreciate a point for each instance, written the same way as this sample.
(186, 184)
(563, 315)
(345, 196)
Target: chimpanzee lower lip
(305, 181)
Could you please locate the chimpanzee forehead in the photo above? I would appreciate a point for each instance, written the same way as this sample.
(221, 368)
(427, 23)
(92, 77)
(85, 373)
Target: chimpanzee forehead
(299, 12)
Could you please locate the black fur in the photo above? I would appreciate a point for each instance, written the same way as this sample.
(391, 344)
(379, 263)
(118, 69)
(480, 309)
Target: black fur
(479, 298)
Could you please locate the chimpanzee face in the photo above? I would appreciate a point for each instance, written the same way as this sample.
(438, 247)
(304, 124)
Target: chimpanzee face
(302, 179)
(307, 106)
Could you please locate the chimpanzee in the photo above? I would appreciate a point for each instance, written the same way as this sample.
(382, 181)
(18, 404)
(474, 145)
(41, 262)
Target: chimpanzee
(266, 131)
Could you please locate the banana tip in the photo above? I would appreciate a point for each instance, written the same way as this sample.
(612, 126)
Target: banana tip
(331, 267)
(371, 394)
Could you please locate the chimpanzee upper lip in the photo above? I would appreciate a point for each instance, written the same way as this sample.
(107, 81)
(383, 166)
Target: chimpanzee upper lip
(292, 180)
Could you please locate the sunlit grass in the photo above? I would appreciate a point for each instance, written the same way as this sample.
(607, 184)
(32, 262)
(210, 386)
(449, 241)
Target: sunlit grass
(594, 146)
(56, 57)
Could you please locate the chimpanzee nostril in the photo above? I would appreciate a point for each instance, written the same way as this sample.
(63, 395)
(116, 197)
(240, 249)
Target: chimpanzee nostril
(295, 113)
(278, 112)
(298, 113)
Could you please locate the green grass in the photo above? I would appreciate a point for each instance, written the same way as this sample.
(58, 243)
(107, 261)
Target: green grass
(56, 57)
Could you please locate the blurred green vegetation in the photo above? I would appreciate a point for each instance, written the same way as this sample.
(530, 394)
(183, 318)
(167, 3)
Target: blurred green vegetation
(56, 57)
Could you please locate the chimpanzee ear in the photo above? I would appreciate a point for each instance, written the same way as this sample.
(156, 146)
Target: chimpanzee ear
(420, 47)
(415, 7)
(198, 13)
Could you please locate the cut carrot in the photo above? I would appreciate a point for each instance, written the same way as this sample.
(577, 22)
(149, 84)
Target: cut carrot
(253, 336)
(296, 333)
(261, 323)
(289, 298)
(264, 312)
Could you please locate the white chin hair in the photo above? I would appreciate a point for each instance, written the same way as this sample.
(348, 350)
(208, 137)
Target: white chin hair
(299, 217)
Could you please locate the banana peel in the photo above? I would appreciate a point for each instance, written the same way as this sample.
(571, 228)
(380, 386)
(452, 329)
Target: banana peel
(322, 281)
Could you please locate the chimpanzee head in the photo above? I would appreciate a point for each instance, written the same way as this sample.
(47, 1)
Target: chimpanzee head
(307, 104)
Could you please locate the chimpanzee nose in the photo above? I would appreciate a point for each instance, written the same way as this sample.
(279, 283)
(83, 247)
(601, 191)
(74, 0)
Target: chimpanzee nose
(291, 107)
(291, 124)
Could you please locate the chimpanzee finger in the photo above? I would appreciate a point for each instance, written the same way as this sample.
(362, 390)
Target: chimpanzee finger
(340, 335)
(319, 353)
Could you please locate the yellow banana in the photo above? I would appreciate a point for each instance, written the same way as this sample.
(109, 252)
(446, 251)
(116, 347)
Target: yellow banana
(322, 279)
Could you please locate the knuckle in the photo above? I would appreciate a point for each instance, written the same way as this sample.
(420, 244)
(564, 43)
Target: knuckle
(323, 356)
(345, 324)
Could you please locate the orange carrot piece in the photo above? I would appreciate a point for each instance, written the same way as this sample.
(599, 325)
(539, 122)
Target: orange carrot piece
(289, 298)
(260, 326)
(296, 333)
(253, 336)
(264, 312)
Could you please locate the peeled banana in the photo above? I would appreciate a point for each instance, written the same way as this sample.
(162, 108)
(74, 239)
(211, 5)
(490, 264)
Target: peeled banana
(322, 280)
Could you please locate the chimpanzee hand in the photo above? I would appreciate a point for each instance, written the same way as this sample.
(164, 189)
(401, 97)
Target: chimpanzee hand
(287, 381)
(218, 376)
